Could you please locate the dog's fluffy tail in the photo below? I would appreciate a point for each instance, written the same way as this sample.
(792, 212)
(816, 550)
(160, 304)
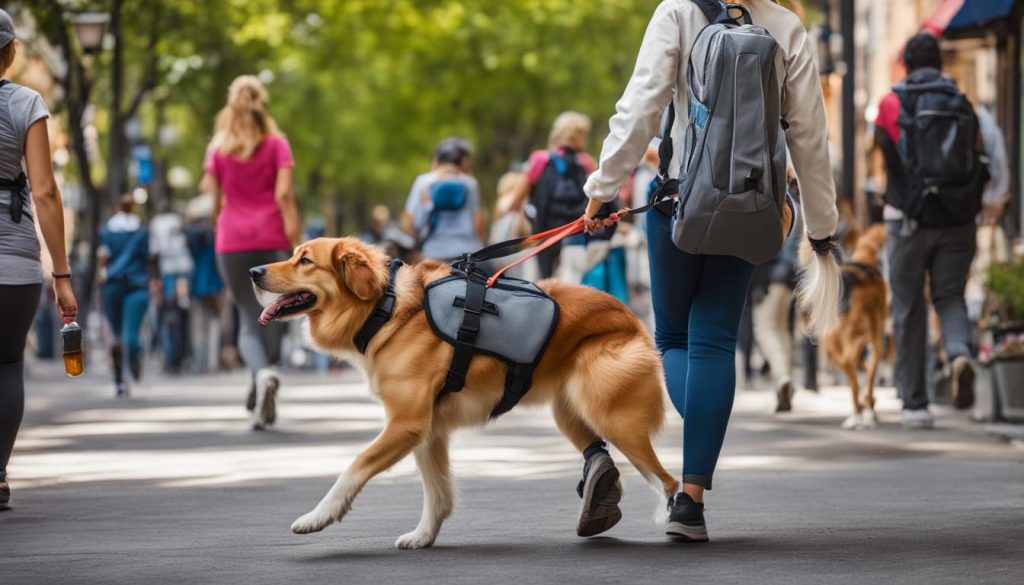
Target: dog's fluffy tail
(818, 293)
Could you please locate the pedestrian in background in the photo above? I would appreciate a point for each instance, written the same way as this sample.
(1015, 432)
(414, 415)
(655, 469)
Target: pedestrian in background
(772, 315)
(250, 170)
(933, 194)
(207, 307)
(510, 221)
(23, 137)
(554, 187)
(128, 275)
(169, 246)
(443, 208)
(698, 298)
(385, 233)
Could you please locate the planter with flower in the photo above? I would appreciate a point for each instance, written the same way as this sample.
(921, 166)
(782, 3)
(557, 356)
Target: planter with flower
(1006, 324)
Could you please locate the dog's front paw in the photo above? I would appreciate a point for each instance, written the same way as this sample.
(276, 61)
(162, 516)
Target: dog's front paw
(314, 521)
(415, 539)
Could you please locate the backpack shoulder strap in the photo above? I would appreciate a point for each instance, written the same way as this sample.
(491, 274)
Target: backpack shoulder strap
(713, 10)
(561, 163)
(665, 149)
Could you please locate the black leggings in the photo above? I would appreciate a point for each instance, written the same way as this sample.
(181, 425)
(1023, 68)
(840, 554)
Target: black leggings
(18, 305)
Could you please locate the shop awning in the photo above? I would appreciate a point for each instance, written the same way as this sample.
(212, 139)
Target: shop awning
(975, 13)
(944, 13)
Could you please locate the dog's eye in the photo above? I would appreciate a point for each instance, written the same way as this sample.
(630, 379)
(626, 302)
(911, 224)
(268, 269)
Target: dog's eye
(305, 260)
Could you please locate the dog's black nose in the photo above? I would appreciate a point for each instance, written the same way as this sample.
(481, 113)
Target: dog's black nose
(257, 272)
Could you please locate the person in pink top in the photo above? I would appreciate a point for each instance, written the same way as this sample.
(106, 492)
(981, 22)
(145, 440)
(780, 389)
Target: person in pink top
(250, 170)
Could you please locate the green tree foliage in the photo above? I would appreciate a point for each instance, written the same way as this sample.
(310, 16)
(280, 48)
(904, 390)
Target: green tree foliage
(365, 88)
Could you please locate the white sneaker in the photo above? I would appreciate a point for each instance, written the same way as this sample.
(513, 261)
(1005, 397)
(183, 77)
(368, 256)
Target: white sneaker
(869, 418)
(265, 412)
(852, 422)
(918, 419)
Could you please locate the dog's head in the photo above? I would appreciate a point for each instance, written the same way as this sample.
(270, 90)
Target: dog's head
(324, 275)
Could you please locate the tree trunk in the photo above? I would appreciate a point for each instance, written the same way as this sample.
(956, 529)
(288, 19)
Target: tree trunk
(76, 94)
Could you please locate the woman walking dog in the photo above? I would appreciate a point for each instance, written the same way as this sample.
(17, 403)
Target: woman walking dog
(698, 297)
(250, 169)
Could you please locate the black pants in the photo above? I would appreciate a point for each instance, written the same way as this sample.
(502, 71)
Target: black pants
(18, 305)
(547, 260)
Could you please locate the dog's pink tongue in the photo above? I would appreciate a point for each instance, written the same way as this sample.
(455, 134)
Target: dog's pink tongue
(270, 311)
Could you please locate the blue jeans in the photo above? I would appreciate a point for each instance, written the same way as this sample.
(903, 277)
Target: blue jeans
(125, 307)
(697, 302)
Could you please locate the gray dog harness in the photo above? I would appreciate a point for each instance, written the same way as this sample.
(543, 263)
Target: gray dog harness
(512, 320)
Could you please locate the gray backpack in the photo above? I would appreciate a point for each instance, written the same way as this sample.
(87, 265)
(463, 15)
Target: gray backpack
(732, 185)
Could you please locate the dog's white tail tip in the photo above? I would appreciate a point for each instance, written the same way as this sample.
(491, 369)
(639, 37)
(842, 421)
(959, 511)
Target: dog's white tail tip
(818, 293)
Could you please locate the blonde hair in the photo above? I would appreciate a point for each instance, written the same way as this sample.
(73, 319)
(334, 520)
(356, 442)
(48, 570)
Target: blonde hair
(508, 186)
(7, 56)
(244, 122)
(567, 125)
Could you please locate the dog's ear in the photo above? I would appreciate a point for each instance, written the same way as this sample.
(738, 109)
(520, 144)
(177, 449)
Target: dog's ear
(365, 278)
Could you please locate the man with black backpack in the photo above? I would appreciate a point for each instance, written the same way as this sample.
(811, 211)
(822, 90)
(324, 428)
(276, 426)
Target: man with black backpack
(928, 133)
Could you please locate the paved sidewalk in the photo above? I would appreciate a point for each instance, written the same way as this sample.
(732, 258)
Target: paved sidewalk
(172, 487)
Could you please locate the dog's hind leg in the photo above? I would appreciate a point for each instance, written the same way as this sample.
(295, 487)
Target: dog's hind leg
(635, 444)
(572, 426)
(405, 430)
(869, 391)
(438, 495)
(628, 417)
(847, 365)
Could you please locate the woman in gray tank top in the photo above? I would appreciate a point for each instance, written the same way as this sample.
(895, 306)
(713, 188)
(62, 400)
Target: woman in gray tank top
(23, 137)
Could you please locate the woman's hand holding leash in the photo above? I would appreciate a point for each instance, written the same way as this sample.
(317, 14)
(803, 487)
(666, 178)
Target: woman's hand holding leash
(593, 224)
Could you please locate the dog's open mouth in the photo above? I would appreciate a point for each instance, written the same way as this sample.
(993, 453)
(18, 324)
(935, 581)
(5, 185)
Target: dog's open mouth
(287, 304)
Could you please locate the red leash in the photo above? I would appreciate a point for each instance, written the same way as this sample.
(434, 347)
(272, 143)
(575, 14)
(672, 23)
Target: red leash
(548, 239)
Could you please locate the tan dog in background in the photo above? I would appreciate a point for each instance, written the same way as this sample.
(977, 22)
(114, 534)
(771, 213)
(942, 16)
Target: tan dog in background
(862, 325)
(601, 372)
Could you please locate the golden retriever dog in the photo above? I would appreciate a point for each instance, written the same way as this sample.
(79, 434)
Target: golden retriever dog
(862, 325)
(601, 372)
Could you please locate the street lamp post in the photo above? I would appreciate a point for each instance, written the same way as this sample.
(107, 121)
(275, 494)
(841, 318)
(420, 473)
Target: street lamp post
(89, 28)
(846, 23)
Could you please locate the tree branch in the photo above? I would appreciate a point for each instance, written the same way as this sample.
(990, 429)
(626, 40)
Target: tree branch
(151, 75)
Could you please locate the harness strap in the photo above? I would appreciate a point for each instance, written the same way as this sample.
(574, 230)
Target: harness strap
(465, 343)
(518, 379)
(860, 266)
(382, 312)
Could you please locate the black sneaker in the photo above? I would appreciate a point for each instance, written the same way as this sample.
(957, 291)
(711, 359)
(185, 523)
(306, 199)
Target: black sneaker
(601, 492)
(250, 400)
(784, 398)
(962, 383)
(5, 495)
(686, 519)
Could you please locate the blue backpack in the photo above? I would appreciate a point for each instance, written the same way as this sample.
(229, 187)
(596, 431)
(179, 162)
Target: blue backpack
(446, 195)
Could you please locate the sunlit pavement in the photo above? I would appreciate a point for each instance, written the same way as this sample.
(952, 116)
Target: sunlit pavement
(172, 486)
